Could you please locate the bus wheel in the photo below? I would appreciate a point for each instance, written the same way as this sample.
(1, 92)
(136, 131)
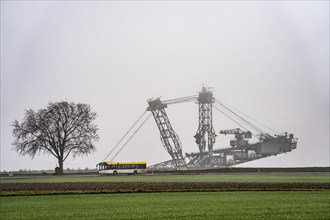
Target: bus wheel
(114, 173)
(135, 172)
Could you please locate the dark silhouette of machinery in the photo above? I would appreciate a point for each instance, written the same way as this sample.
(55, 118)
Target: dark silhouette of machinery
(205, 101)
(240, 150)
(239, 135)
(169, 138)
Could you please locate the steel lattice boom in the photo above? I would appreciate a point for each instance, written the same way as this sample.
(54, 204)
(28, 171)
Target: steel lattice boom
(169, 138)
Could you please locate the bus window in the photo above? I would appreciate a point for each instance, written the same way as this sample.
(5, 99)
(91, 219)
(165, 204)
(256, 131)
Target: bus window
(141, 166)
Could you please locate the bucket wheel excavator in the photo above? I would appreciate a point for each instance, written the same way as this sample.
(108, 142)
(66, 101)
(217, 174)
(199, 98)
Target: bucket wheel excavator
(240, 149)
(251, 140)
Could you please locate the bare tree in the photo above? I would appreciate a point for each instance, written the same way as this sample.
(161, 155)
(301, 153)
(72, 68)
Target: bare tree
(60, 129)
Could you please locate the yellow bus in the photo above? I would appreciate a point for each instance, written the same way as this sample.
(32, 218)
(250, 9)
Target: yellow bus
(114, 168)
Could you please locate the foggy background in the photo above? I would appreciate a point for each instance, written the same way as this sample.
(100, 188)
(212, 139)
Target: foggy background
(268, 59)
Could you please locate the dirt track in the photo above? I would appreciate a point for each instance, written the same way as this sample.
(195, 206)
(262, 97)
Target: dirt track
(155, 187)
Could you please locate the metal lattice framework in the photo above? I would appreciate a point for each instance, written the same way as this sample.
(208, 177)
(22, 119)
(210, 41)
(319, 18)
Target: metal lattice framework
(240, 150)
(205, 101)
(169, 138)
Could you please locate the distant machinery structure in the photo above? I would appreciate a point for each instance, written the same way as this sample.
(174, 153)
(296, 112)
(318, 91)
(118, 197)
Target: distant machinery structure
(205, 101)
(169, 138)
(240, 149)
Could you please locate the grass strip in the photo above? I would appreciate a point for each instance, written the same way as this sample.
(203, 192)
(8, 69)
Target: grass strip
(178, 205)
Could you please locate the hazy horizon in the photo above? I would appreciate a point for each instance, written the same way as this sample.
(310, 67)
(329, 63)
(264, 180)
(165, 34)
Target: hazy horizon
(269, 60)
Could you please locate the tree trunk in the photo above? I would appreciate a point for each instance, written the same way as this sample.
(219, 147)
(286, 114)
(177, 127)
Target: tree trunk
(60, 163)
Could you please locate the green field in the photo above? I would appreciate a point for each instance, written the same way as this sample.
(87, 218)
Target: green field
(188, 205)
(304, 204)
(246, 177)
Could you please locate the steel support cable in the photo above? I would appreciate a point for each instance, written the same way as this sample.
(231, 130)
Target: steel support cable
(129, 130)
(222, 112)
(177, 102)
(130, 138)
(239, 124)
(227, 113)
(180, 100)
(241, 118)
(248, 116)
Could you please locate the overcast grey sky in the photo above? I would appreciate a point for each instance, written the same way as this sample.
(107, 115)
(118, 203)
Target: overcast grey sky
(269, 59)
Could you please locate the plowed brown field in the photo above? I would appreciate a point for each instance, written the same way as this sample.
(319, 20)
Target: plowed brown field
(43, 188)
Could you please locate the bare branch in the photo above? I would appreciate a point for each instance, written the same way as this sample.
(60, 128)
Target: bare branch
(60, 129)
